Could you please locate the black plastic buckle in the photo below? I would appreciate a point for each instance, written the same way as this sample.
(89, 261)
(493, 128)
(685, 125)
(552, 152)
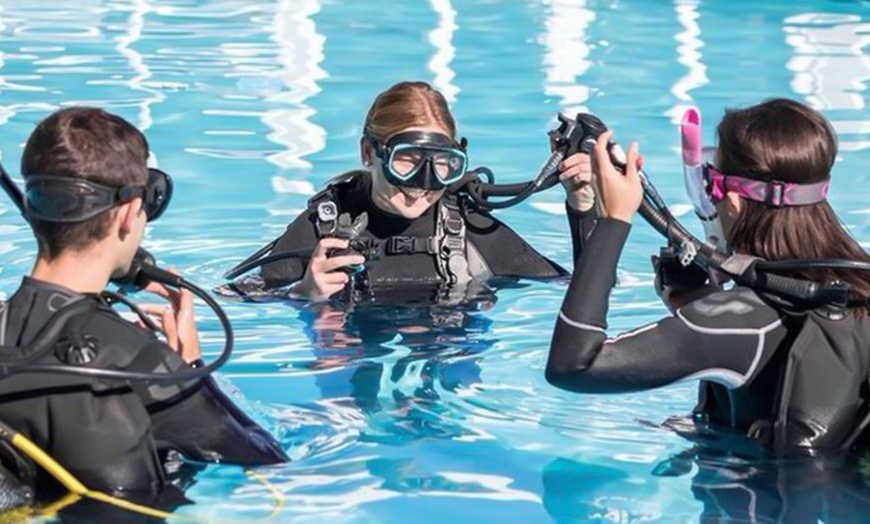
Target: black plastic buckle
(399, 245)
(775, 193)
(409, 245)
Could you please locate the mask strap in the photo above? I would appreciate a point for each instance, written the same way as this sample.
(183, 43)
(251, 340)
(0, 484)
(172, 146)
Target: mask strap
(773, 193)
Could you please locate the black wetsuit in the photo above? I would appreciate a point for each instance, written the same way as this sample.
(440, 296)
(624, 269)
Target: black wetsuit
(739, 344)
(111, 434)
(504, 253)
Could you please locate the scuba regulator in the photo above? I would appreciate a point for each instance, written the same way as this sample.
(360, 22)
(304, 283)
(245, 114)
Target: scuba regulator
(752, 272)
(699, 260)
(340, 226)
(571, 136)
(51, 196)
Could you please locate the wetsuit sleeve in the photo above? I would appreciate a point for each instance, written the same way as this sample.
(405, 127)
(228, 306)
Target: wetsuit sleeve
(581, 224)
(198, 419)
(726, 337)
(505, 252)
(301, 235)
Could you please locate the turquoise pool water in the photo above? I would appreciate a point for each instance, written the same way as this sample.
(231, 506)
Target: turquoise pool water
(433, 415)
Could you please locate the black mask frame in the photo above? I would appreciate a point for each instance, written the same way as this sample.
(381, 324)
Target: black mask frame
(427, 146)
(69, 200)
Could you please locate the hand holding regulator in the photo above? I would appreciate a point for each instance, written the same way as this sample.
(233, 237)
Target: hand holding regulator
(686, 261)
(710, 257)
(68, 200)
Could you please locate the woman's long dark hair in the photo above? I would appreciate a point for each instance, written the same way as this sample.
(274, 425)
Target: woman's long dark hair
(787, 141)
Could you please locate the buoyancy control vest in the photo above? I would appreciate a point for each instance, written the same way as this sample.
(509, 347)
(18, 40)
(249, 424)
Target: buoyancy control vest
(111, 434)
(98, 429)
(457, 259)
(820, 380)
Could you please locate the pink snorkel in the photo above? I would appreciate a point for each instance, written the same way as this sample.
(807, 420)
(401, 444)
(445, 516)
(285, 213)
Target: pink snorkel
(693, 176)
(707, 186)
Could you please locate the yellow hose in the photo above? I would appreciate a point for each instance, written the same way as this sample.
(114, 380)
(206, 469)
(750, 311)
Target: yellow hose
(54, 508)
(67, 480)
(77, 489)
(26, 446)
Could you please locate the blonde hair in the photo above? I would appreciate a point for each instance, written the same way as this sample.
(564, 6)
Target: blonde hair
(404, 105)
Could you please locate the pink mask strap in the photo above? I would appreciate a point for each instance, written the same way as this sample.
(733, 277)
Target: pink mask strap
(773, 193)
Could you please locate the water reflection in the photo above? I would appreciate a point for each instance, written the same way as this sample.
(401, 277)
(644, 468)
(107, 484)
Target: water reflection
(801, 491)
(576, 493)
(300, 53)
(439, 350)
(567, 53)
(689, 55)
(442, 38)
(831, 69)
(730, 489)
(142, 72)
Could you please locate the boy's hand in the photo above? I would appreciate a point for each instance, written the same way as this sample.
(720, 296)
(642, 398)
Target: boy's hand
(176, 320)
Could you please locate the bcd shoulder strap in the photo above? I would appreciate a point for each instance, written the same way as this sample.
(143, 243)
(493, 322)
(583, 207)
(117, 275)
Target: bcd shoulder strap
(451, 259)
(4, 318)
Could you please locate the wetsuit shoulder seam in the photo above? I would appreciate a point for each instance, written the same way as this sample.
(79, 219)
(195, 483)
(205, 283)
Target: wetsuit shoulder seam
(580, 325)
(729, 331)
(761, 333)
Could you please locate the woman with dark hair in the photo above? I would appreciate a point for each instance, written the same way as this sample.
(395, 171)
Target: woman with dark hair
(397, 210)
(790, 375)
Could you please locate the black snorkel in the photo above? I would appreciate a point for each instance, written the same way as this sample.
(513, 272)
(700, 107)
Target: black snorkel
(142, 271)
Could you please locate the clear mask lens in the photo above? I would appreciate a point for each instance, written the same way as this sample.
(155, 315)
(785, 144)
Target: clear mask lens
(448, 165)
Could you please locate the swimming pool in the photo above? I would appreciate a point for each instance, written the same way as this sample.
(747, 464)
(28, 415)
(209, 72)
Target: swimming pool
(253, 105)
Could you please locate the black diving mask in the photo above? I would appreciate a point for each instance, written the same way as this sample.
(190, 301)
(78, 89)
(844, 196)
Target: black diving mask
(422, 160)
(70, 200)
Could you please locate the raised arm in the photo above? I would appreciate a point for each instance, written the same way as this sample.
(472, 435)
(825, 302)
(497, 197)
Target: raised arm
(725, 337)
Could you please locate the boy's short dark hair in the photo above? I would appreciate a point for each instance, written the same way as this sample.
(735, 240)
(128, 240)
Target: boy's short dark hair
(87, 143)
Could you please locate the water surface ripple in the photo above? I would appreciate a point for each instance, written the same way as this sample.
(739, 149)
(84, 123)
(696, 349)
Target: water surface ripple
(431, 414)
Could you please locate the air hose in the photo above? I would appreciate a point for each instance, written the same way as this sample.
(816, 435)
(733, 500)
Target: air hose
(749, 271)
(78, 490)
(142, 271)
(572, 136)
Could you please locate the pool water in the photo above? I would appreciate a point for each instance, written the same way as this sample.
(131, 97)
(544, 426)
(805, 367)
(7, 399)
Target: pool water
(433, 415)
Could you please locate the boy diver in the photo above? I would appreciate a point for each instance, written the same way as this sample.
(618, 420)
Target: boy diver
(789, 375)
(89, 195)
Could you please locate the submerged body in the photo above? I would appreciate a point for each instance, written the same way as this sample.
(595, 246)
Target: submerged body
(114, 436)
(791, 373)
(738, 343)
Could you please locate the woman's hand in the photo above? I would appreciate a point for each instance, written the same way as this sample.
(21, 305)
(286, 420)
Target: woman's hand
(575, 173)
(176, 320)
(323, 277)
(620, 194)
